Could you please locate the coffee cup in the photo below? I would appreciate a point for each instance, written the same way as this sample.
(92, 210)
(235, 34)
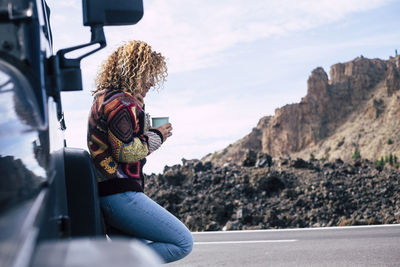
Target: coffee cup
(159, 121)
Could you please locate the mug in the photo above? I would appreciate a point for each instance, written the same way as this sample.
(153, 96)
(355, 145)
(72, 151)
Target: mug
(159, 121)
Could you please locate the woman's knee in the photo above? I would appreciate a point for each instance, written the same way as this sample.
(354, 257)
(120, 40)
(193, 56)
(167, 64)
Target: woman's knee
(187, 243)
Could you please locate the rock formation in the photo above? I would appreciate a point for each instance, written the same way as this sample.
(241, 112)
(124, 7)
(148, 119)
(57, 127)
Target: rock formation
(357, 109)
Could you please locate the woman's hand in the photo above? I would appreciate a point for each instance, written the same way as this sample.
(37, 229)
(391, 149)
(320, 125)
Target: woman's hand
(165, 130)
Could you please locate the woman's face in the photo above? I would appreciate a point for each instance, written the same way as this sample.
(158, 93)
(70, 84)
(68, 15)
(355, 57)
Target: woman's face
(147, 87)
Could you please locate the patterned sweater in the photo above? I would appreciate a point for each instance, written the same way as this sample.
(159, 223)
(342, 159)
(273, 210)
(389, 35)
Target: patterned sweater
(119, 139)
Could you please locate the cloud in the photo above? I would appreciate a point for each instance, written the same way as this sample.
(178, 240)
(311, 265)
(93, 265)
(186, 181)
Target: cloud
(192, 34)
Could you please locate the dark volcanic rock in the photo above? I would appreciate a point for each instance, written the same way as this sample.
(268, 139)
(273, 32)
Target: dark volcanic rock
(301, 164)
(250, 158)
(283, 193)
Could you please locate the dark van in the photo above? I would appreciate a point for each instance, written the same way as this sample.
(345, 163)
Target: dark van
(49, 209)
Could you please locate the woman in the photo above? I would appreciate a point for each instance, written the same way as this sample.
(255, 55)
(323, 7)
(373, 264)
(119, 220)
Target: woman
(120, 138)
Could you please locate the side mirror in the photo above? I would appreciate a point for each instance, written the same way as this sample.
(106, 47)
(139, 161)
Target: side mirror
(111, 13)
(65, 73)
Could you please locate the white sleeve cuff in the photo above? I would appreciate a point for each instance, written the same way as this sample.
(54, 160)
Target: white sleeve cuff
(154, 141)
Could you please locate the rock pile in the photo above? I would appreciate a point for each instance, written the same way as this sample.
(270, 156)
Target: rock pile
(264, 193)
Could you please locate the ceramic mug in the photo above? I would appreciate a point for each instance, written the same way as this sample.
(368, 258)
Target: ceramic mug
(159, 121)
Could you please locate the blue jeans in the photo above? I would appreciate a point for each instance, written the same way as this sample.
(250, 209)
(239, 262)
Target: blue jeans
(138, 216)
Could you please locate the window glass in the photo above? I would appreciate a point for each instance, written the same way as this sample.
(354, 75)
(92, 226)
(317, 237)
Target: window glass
(23, 141)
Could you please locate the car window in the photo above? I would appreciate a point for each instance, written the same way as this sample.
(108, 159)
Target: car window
(22, 138)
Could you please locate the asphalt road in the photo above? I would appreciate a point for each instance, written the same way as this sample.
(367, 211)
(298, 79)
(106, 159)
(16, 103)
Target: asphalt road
(331, 246)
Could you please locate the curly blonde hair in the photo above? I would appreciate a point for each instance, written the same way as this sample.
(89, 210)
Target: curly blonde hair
(130, 68)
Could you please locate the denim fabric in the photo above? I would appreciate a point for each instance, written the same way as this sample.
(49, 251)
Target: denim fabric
(138, 216)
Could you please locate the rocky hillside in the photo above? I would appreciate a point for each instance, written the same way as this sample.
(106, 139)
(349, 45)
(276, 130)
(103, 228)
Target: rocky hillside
(277, 193)
(354, 110)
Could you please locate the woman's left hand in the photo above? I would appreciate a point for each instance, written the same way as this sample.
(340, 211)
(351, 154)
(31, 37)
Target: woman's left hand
(165, 130)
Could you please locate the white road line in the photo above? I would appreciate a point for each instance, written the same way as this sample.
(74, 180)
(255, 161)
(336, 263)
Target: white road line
(298, 229)
(245, 242)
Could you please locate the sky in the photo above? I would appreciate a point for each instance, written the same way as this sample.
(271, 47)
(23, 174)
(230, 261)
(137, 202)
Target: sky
(230, 62)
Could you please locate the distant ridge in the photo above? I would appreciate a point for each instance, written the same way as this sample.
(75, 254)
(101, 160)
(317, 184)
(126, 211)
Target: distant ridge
(356, 111)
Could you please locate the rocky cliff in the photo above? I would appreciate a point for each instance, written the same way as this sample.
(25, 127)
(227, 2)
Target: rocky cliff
(354, 110)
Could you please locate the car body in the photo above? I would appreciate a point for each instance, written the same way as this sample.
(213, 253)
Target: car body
(49, 208)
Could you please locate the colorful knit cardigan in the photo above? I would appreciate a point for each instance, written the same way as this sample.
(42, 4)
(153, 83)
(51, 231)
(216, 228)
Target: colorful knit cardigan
(119, 139)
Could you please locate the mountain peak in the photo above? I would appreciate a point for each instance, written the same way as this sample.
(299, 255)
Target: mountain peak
(356, 108)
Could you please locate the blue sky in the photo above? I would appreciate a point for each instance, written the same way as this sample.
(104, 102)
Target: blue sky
(230, 61)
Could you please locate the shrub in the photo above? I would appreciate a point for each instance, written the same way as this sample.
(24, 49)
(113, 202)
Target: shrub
(356, 155)
(391, 159)
(386, 159)
(389, 142)
(380, 163)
